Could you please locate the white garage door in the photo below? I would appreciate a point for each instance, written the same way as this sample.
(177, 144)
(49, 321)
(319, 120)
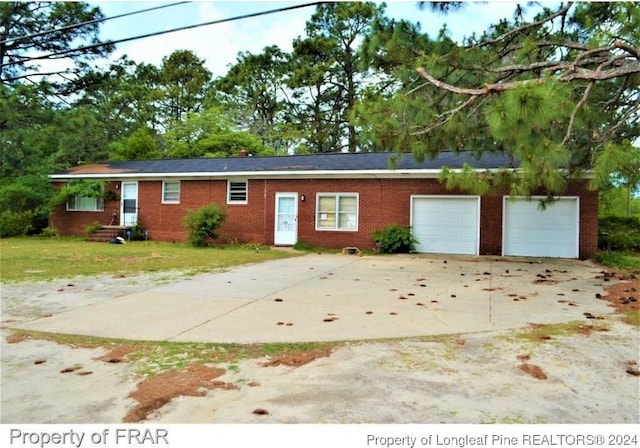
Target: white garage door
(446, 224)
(530, 231)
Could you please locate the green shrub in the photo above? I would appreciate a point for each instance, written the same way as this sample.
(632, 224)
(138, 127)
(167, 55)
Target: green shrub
(619, 233)
(203, 224)
(50, 232)
(16, 223)
(138, 233)
(394, 239)
(24, 205)
(92, 228)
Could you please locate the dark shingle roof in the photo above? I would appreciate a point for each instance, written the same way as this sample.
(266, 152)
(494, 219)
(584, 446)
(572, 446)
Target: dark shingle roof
(332, 162)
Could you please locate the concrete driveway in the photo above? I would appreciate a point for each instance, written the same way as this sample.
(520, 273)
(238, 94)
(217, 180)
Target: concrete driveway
(325, 297)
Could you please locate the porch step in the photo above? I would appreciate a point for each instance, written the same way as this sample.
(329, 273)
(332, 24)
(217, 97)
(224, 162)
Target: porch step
(107, 233)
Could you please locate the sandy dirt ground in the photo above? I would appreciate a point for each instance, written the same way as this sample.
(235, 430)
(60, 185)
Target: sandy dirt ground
(589, 376)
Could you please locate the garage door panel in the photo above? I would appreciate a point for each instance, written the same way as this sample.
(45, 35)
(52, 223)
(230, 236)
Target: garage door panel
(531, 231)
(446, 225)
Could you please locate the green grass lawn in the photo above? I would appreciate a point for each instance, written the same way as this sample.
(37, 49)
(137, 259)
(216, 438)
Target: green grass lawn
(23, 259)
(626, 261)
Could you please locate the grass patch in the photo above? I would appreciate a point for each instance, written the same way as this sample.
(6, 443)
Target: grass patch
(71, 340)
(428, 354)
(155, 357)
(537, 333)
(512, 420)
(303, 246)
(26, 258)
(632, 318)
(625, 261)
(287, 348)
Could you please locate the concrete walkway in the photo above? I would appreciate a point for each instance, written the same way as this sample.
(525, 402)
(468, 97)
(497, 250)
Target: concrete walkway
(323, 297)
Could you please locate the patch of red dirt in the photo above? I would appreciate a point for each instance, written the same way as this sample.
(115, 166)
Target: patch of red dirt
(533, 370)
(624, 295)
(297, 359)
(587, 330)
(118, 354)
(155, 392)
(17, 337)
(632, 368)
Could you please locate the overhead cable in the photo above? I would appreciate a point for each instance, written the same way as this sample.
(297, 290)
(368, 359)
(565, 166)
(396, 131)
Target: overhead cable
(158, 33)
(89, 22)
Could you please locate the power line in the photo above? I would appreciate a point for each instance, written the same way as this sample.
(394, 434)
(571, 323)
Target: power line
(158, 33)
(55, 94)
(90, 22)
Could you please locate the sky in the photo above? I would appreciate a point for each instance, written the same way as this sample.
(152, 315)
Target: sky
(219, 44)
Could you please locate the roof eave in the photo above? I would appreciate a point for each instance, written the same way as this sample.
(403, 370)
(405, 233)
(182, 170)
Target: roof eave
(430, 173)
(309, 174)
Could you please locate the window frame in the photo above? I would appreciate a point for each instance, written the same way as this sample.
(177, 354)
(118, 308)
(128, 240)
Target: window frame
(337, 212)
(98, 205)
(229, 191)
(164, 192)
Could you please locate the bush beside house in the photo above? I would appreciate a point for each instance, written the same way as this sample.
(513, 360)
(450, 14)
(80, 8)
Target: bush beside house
(202, 224)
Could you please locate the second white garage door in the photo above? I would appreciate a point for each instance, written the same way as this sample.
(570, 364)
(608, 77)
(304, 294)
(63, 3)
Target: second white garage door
(446, 224)
(530, 231)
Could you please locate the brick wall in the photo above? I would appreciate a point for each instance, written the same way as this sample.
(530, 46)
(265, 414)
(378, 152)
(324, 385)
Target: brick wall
(588, 219)
(491, 225)
(381, 202)
(74, 223)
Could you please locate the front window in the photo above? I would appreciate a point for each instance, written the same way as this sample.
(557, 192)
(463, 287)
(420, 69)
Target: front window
(79, 203)
(171, 192)
(337, 211)
(237, 192)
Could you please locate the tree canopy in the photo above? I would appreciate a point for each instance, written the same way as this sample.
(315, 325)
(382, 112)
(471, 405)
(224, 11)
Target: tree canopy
(557, 91)
(34, 32)
(555, 87)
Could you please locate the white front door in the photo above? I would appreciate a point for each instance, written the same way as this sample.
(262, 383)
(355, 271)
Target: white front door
(129, 204)
(286, 226)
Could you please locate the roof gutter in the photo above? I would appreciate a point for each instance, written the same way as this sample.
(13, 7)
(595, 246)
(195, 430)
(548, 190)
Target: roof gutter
(309, 174)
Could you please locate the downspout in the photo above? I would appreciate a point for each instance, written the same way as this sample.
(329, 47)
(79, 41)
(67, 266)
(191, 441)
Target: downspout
(264, 210)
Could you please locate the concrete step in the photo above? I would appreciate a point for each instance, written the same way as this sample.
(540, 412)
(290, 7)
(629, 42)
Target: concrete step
(106, 234)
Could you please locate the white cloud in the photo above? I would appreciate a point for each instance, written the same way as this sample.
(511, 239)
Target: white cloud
(473, 17)
(219, 43)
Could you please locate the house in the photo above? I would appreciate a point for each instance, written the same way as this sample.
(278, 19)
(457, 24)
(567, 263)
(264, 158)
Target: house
(333, 200)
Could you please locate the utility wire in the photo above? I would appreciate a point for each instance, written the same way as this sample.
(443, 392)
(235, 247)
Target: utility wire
(158, 33)
(78, 25)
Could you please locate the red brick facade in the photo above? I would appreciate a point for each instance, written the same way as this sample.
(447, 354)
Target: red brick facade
(382, 201)
(75, 223)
